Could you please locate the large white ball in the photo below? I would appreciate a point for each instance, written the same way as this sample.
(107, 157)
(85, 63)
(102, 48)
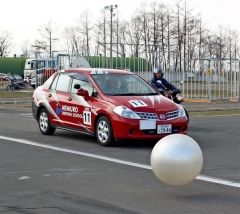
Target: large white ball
(176, 159)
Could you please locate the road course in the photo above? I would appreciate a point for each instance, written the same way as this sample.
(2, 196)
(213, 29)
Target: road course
(37, 179)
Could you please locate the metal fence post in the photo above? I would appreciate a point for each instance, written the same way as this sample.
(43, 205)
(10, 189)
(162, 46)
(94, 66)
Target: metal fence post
(36, 74)
(238, 81)
(209, 81)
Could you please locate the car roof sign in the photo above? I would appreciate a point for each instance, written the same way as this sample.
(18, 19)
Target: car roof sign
(78, 77)
(99, 71)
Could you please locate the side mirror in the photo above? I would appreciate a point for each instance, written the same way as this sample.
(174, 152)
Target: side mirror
(77, 86)
(95, 94)
(83, 93)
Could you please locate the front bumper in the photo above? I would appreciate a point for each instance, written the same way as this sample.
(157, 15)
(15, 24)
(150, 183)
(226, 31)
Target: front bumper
(124, 128)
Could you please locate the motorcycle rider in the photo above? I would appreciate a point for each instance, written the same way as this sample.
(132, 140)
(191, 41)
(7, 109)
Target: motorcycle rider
(160, 83)
(165, 87)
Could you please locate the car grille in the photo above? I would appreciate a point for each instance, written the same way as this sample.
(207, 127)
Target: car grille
(147, 115)
(172, 115)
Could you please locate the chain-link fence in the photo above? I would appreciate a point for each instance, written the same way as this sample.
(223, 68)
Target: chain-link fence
(211, 79)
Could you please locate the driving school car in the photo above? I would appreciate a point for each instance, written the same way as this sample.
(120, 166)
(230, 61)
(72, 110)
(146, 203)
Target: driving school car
(106, 103)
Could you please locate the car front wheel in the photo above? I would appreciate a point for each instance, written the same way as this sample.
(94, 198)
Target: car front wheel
(104, 131)
(187, 115)
(44, 123)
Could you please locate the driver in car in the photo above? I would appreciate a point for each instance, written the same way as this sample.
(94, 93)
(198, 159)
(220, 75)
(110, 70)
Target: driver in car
(113, 86)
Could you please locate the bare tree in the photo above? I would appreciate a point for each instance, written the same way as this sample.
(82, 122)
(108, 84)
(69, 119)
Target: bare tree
(72, 39)
(84, 31)
(38, 47)
(78, 37)
(5, 43)
(172, 36)
(67, 40)
(26, 52)
(133, 35)
(101, 35)
(47, 40)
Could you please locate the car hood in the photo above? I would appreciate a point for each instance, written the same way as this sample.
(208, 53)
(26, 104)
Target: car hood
(153, 103)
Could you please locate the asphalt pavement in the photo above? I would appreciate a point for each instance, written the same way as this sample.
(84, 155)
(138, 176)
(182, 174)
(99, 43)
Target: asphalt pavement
(38, 174)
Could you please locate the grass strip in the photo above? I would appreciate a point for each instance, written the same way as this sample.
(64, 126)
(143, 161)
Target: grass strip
(214, 113)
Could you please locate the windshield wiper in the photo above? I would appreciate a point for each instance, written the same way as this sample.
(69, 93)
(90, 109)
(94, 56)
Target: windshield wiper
(133, 94)
(123, 94)
(118, 94)
(153, 93)
(140, 94)
(130, 94)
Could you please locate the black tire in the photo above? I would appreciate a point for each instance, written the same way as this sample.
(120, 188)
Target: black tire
(44, 123)
(104, 132)
(24, 87)
(8, 88)
(186, 114)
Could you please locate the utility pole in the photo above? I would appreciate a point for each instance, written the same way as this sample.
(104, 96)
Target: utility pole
(111, 8)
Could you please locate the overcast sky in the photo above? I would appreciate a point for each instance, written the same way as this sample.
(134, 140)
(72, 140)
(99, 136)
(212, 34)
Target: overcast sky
(22, 18)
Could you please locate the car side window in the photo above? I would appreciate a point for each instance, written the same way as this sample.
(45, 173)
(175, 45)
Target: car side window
(63, 83)
(84, 84)
(54, 83)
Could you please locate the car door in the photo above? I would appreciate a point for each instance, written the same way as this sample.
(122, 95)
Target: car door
(64, 106)
(84, 112)
(52, 103)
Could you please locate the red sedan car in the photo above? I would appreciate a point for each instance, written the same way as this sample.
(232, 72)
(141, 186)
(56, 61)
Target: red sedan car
(109, 104)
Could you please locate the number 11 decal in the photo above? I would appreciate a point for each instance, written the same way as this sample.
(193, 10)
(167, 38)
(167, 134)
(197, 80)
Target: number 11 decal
(87, 117)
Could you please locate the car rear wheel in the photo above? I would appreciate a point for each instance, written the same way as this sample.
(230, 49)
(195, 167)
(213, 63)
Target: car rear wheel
(44, 123)
(104, 131)
(9, 87)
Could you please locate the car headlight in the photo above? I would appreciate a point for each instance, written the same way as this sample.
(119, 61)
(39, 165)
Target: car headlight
(125, 112)
(181, 112)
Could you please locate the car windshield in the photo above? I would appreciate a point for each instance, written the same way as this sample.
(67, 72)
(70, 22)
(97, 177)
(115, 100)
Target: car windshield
(123, 85)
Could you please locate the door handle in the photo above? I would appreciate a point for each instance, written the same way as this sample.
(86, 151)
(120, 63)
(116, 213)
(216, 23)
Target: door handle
(49, 95)
(69, 99)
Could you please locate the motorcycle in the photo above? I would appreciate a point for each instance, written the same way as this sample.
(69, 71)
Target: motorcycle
(175, 95)
(17, 85)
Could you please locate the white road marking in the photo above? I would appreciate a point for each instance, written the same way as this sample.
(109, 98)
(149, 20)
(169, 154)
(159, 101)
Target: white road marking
(32, 143)
(28, 119)
(46, 175)
(218, 181)
(27, 114)
(42, 171)
(24, 178)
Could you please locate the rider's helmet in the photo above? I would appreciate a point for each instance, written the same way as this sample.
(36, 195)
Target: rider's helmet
(158, 70)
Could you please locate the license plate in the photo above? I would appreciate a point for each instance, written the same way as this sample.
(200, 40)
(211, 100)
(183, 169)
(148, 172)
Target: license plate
(164, 129)
(147, 124)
